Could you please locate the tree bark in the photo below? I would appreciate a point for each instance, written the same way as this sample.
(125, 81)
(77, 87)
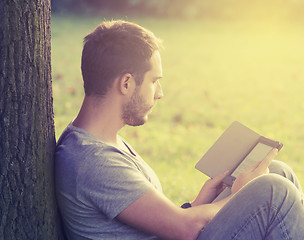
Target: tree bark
(27, 139)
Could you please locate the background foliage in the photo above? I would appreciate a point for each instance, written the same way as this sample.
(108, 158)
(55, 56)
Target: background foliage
(185, 8)
(216, 70)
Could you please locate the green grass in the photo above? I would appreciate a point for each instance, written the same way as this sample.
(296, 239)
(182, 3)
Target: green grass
(215, 72)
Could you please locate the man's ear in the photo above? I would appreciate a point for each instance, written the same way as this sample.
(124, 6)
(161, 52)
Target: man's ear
(126, 83)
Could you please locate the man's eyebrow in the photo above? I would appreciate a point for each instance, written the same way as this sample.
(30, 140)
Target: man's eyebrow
(159, 77)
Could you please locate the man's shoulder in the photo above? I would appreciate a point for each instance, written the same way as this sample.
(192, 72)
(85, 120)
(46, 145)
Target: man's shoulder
(76, 143)
(73, 135)
(78, 140)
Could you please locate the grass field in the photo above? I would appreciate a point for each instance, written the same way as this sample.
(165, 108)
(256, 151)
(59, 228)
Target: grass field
(215, 72)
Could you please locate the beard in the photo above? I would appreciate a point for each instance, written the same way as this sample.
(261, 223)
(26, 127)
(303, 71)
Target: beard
(134, 112)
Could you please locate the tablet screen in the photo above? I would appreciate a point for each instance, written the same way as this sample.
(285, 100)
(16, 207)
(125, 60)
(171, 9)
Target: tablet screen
(258, 153)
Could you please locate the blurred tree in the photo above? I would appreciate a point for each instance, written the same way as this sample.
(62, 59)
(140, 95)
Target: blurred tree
(68, 5)
(27, 200)
(186, 8)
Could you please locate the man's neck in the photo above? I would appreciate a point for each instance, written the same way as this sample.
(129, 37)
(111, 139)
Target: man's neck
(101, 118)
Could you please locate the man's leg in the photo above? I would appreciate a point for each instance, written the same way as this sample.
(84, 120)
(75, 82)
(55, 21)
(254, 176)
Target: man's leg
(268, 207)
(284, 170)
(276, 167)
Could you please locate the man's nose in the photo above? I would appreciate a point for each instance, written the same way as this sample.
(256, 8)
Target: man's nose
(159, 92)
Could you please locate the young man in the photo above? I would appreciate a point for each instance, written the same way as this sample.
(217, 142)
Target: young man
(106, 191)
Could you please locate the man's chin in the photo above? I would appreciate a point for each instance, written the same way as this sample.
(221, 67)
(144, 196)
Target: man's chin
(138, 122)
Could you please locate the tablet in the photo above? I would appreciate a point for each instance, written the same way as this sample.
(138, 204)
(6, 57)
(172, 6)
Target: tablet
(237, 149)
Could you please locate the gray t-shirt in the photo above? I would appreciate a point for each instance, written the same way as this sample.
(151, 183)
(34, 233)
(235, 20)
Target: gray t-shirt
(95, 182)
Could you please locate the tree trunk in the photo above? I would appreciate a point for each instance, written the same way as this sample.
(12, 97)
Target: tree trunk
(27, 139)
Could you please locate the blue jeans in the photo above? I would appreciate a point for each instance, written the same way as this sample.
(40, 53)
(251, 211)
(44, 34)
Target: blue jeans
(269, 207)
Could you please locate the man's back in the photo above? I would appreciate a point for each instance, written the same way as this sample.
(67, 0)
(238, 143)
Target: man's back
(95, 182)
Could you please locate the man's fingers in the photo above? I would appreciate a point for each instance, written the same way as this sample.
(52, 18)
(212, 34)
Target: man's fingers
(220, 177)
(264, 164)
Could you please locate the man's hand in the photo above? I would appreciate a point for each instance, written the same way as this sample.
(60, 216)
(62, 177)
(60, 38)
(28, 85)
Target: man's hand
(211, 189)
(257, 170)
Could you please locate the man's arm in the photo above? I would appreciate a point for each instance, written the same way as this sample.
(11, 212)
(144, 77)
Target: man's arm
(154, 213)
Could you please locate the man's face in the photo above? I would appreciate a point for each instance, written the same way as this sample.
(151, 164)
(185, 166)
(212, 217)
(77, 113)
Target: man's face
(135, 111)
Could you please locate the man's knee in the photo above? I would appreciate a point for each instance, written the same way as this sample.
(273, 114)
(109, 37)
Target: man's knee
(280, 168)
(273, 188)
(284, 170)
(269, 182)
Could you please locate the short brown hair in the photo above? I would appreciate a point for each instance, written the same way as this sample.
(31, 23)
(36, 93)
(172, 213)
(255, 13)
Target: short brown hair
(115, 48)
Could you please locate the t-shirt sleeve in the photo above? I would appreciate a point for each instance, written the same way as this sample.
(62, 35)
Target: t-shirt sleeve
(111, 182)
